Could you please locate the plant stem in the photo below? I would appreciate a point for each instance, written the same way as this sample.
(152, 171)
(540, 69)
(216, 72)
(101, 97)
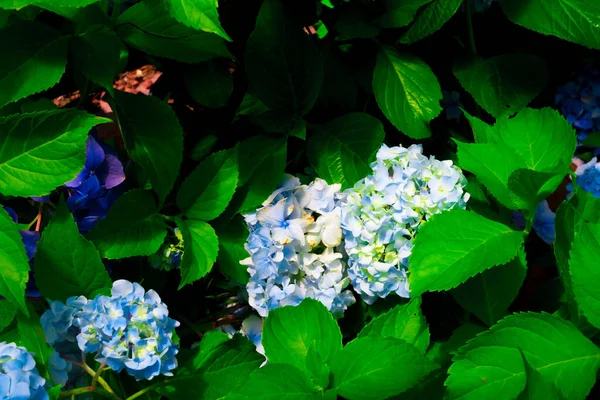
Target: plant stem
(75, 392)
(470, 28)
(144, 391)
(38, 224)
(95, 377)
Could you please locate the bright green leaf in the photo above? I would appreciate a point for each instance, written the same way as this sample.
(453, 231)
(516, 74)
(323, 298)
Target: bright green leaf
(577, 21)
(407, 92)
(585, 273)
(342, 150)
(18, 4)
(207, 191)
(488, 294)
(132, 227)
(210, 85)
(153, 138)
(198, 14)
(377, 368)
(445, 256)
(232, 239)
(529, 187)
(538, 387)
(505, 84)
(404, 322)
(430, 20)
(41, 151)
(7, 313)
(67, 264)
(491, 365)
(201, 247)
(289, 332)
(13, 262)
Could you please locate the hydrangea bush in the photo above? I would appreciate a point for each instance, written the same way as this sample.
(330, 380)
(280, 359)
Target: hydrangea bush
(332, 199)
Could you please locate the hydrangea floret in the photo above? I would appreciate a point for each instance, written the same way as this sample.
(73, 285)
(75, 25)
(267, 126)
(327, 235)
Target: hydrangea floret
(251, 328)
(295, 249)
(19, 377)
(588, 177)
(129, 330)
(382, 214)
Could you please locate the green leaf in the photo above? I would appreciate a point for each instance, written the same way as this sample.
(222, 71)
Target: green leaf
(18, 4)
(198, 14)
(276, 382)
(284, 68)
(43, 150)
(538, 387)
(201, 247)
(149, 27)
(529, 187)
(67, 264)
(133, 227)
(354, 24)
(369, 368)
(210, 85)
(33, 57)
(203, 147)
(430, 20)
(31, 336)
(144, 122)
(317, 369)
(577, 21)
(491, 365)
(459, 338)
(13, 262)
(96, 55)
(407, 92)
(503, 85)
(207, 191)
(342, 150)
(7, 313)
(400, 13)
(404, 322)
(488, 294)
(444, 256)
(585, 274)
(232, 239)
(289, 332)
(593, 140)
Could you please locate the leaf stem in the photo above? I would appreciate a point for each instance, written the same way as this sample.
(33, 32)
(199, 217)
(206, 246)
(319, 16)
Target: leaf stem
(38, 219)
(74, 392)
(144, 391)
(470, 28)
(116, 11)
(95, 377)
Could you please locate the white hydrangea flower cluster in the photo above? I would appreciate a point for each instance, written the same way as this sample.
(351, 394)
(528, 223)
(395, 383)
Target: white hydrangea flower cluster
(295, 249)
(382, 213)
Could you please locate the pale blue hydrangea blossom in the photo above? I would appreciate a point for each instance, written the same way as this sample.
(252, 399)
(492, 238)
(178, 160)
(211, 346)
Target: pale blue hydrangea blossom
(295, 249)
(382, 213)
(130, 330)
(252, 329)
(19, 377)
(588, 177)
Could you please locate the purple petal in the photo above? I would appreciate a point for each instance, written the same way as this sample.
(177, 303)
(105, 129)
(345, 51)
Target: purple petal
(79, 179)
(94, 155)
(30, 240)
(43, 199)
(110, 172)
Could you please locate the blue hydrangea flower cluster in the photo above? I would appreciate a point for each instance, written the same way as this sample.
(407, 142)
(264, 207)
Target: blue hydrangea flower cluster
(588, 177)
(131, 330)
(579, 102)
(97, 186)
(252, 329)
(295, 249)
(382, 214)
(169, 255)
(19, 377)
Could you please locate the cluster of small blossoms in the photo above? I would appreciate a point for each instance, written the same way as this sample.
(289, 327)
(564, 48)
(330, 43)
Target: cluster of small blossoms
(382, 213)
(295, 249)
(588, 176)
(169, 255)
(19, 378)
(130, 330)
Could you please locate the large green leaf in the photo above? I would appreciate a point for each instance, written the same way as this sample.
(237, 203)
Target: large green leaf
(404, 322)
(585, 273)
(488, 294)
(13, 262)
(133, 227)
(43, 150)
(342, 150)
(284, 67)
(573, 20)
(148, 27)
(198, 14)
(430, 19)
(400, 13)
(96, 55)
(377, 368)
(276, 382)
(445, 255)
(407, 92)
(207, 191)
(503, 85)
(538, 387)
(289, 332)
(209, 84)
(153, 138)
(67, 264)
(491, 365)
(17, 4)
(33, 57)
(232, 239)
(201, 248)
(8, 311)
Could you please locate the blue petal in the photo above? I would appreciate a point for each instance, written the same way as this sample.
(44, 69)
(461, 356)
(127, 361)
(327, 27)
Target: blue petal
(12, 214)
(30, 240)
(110, 172)
(94, 154)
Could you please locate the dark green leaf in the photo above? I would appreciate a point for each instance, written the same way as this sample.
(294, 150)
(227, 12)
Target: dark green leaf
(133, 227)
(400, 13)
(201, 248)
(153, 138)
(593, 140)
(198, 14)
(342, 150)
(209, 84)
(17, 4)
(8, 311)
(354, 24)
(31, 336)
(203, 147)
(67, 264)
(430, 20)
(232, 239)
(407, 92)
